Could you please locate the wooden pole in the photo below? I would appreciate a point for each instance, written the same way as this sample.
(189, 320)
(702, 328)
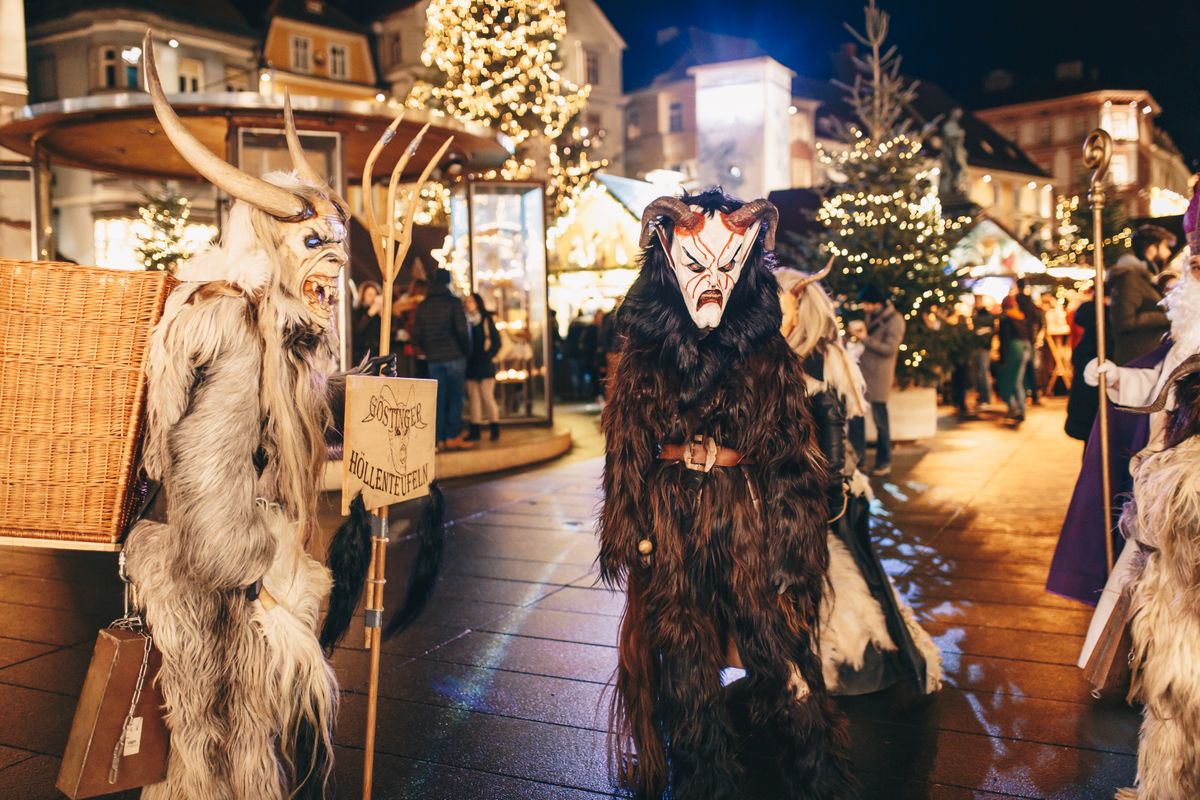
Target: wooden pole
(1097, 152)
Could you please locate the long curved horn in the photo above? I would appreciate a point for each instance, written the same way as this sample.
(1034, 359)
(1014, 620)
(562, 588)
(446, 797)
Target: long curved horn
(803, 283)
(296, 150)
(279, 203)
(758, 211)
(672, 207)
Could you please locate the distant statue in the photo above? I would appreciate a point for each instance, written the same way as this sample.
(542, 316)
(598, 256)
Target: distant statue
(953, 182)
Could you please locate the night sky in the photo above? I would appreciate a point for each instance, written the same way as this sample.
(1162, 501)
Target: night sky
(1146, 44)
(1150, 44)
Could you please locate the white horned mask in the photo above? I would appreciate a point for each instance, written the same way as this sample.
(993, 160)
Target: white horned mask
(707, 249)
(303, 219)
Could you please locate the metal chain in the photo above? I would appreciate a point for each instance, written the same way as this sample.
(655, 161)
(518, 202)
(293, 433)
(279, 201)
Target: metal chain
(118, 751)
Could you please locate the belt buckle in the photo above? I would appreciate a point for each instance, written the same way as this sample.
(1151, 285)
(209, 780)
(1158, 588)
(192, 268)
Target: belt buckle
(710, 454)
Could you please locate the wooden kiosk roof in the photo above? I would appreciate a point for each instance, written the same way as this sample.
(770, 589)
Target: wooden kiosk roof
(118, 133)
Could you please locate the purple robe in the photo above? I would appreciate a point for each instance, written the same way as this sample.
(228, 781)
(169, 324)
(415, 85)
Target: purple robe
(1079, 569)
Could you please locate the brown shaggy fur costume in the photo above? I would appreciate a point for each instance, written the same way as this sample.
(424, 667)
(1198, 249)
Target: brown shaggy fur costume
(739, 554)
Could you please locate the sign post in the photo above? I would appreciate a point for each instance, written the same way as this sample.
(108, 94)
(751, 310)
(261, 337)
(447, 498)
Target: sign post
(394, 403)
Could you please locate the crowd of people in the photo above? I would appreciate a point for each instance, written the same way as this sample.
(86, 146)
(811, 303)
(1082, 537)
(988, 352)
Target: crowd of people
(439, 336)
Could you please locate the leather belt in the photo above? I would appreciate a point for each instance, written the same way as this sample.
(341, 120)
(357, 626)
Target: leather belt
(701, 454)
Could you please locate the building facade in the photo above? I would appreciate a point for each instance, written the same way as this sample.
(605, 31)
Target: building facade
(724, 112)
(1147, 168)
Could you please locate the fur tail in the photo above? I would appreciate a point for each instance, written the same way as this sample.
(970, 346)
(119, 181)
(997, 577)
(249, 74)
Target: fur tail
(426, 567)
(349, 559)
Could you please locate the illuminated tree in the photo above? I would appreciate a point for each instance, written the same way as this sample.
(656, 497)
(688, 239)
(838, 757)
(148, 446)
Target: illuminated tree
(496, 62)
(883, 219)
(160, 240)
(1073, 240)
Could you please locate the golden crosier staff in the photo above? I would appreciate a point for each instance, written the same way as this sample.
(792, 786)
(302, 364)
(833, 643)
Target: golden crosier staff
(1097, 152)
(391, 243)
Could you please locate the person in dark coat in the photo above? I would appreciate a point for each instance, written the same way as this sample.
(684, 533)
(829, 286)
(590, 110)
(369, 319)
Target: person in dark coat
(881, 335)
(481, 369)
(368, 321)
(983, 324)
(440, 330)
(1138, 322)
(1083, 402)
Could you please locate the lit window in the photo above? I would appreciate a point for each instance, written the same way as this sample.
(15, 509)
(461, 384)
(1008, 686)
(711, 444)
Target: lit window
(675, 117)
(301, 46)
(337, 61)
(1121, 121)
(191, 75)
(1119, 167)
(314, 6)
(593, 68)
(633, 123)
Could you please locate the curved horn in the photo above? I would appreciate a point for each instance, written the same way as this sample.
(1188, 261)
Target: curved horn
(803, 283)
(672, 207)
(279, 203)
(757, 211)
(299, 162)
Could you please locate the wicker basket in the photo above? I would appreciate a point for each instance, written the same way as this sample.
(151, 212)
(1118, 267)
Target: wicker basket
(73, 348)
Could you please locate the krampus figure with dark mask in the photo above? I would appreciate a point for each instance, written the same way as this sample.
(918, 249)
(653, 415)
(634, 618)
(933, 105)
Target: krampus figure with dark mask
(240, 390)
(715, 513)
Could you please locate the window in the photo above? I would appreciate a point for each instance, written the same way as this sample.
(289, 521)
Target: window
(314, 6)
(675, 117)
(593, 68)
(392, 49)
(1045, 132)
(633, 123)
(191, 75)
(108, 68)
(1062, 129)
(45, 78)
(337, 61)
(1120, 170)
(1027, 134)
(1121, 121)
(301, 45)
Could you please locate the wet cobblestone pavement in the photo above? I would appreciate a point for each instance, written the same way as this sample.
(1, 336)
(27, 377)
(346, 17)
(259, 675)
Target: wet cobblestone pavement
(498, 692)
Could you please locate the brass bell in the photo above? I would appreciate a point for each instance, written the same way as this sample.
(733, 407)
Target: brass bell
(645, 547)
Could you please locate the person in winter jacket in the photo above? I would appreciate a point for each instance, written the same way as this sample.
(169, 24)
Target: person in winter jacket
(1138, 321)
(481, 368)
(880, 335)
(1016, 349)
(440, 330)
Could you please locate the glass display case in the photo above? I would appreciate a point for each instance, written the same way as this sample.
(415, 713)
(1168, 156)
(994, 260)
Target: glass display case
(498, 248)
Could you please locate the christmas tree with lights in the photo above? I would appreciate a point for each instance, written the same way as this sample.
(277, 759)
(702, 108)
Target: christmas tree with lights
(496, 62)
(883, 218)
(160, 240)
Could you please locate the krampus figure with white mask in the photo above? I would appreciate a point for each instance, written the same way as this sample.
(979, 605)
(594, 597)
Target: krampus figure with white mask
(715, 512)
(240, 387)
(869, 636)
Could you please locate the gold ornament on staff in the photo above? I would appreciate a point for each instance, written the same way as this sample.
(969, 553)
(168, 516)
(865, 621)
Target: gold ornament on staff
(1097, 152)
(390, 241)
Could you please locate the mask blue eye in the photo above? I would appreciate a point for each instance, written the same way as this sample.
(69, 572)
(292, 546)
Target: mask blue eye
(312, 242)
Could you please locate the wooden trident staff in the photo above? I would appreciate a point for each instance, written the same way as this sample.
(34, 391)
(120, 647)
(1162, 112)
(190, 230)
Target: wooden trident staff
(1097, 152)
(391, 241)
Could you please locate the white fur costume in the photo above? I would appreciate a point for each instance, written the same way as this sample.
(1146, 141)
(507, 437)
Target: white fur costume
(237, 406)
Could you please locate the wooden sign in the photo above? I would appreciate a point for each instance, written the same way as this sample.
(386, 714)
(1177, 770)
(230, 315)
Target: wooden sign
(389, 447)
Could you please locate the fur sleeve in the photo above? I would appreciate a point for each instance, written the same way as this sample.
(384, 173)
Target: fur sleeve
(629, 437)
(210, 474)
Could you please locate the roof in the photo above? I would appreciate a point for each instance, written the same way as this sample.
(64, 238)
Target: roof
(330, 16)
(216, 14)
(1018, 94)
(634, 195)
(679, 49)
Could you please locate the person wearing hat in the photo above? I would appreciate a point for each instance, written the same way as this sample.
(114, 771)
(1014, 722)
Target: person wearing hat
(880, 335)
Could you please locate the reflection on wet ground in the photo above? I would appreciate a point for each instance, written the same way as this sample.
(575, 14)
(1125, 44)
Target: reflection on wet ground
(497, 693)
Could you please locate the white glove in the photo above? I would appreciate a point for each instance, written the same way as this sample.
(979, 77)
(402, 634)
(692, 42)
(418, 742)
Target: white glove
(1093, 371)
